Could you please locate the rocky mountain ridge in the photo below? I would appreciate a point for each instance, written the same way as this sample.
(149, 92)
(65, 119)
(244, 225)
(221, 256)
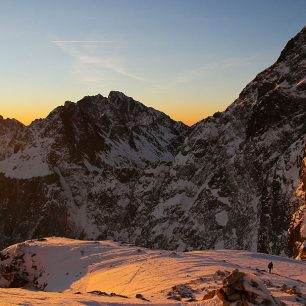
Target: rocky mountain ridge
(112, 168)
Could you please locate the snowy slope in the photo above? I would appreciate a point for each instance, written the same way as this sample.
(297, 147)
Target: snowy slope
(76, 268)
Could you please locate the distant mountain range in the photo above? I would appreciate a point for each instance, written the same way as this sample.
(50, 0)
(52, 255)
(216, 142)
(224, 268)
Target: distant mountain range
(112, 168)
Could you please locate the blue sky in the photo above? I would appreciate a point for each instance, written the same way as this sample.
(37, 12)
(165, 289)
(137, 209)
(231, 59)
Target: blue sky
(186, 58)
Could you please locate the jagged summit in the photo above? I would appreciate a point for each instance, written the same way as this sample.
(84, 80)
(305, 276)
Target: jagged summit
(115, 102)
(286, 77)
(295, 45)
(117, 95)
(9, 121)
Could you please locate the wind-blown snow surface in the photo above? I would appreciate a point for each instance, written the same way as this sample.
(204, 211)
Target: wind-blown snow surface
(76, 268)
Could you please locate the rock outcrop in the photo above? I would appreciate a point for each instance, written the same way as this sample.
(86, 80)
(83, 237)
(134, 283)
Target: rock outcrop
(243, 289)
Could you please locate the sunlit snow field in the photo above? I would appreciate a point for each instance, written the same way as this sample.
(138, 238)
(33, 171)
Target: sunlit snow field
(70, 269)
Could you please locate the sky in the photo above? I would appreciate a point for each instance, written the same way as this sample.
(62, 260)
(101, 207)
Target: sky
(188, 58)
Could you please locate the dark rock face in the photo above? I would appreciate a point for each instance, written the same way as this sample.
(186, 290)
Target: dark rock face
(297, 229)
(28, 209)
(11, 139)
(114, 168)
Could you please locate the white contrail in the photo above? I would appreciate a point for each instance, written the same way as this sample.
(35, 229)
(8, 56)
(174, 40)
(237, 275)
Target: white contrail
(87, 41)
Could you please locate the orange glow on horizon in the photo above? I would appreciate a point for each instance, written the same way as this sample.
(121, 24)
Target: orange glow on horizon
(27, 116)
(188, 109)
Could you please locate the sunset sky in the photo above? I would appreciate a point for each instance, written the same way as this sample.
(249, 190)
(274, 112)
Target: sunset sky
(188, 59)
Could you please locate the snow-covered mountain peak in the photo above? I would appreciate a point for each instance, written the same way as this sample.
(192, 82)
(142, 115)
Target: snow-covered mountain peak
(114, 95)
(285, 77)
(113, 168)
(295, 45)
(238, 171)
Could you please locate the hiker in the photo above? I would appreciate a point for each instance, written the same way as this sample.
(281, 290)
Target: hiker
(270, 266)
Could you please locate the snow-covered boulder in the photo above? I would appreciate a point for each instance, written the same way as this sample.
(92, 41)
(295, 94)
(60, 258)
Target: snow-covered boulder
(242, 288)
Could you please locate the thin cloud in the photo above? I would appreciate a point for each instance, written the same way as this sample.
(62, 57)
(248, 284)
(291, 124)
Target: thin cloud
(94, 61)
(111, 62)
(192, 75)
